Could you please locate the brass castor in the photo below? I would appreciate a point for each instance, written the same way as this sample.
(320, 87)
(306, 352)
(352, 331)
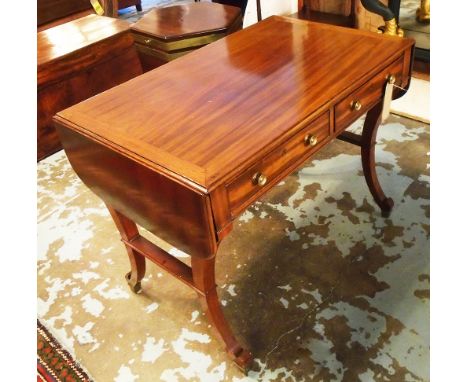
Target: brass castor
(243, 359)
(135, 287)
(387, 207)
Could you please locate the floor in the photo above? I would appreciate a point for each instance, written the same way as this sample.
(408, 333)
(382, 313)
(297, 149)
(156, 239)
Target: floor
(314, 281)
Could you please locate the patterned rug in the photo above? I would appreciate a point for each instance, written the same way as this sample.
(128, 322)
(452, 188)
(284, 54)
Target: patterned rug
(55, 364)
(312, 279)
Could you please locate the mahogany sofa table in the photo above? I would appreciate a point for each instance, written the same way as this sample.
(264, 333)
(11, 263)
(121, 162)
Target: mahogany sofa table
(184, 149)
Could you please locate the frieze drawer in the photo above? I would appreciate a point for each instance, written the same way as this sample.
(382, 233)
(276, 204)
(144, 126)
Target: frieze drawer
(258, 178)
(361, 100)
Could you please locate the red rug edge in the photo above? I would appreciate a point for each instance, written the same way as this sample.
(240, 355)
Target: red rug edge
(46, 372)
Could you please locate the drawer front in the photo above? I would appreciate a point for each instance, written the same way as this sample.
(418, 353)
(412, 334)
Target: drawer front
(146, 41)
(246, 188)
(159, 54)
(361, 100)
(181, 44)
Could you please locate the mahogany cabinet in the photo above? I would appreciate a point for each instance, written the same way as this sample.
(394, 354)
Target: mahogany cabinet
(75, 61)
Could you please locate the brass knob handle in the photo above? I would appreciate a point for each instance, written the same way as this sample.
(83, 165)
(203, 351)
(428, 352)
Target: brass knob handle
(259, 179)
(356, 105)
(391, 79)
(311, 140)
(147, 41)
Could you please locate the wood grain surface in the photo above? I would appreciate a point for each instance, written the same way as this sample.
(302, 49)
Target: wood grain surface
(50, 10)
(340, 7)
(166, 34)
(205, 121)
(179, 21)
(170, 210)
(367, 95)
(242, 191)
(75, 61)
(56, 43)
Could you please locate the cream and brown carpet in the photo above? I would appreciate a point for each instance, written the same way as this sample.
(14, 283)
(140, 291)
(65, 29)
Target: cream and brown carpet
(313, 280)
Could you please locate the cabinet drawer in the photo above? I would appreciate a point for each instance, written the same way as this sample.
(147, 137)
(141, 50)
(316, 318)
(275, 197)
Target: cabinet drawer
(366, 96)
(160, 54)
(277, 164)
(145, 40)
(189, 43)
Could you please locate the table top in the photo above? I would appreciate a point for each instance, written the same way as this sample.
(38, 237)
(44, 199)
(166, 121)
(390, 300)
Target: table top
(212, 112)
(64, 39)
(179, 21)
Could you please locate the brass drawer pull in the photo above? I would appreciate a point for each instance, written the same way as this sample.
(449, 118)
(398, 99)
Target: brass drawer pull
(259, 179)
(311, 140)
(356, 105)
(147, 41)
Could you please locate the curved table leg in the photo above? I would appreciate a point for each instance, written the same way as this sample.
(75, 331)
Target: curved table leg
(128, 231)
(369, 133)
(204, 280)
